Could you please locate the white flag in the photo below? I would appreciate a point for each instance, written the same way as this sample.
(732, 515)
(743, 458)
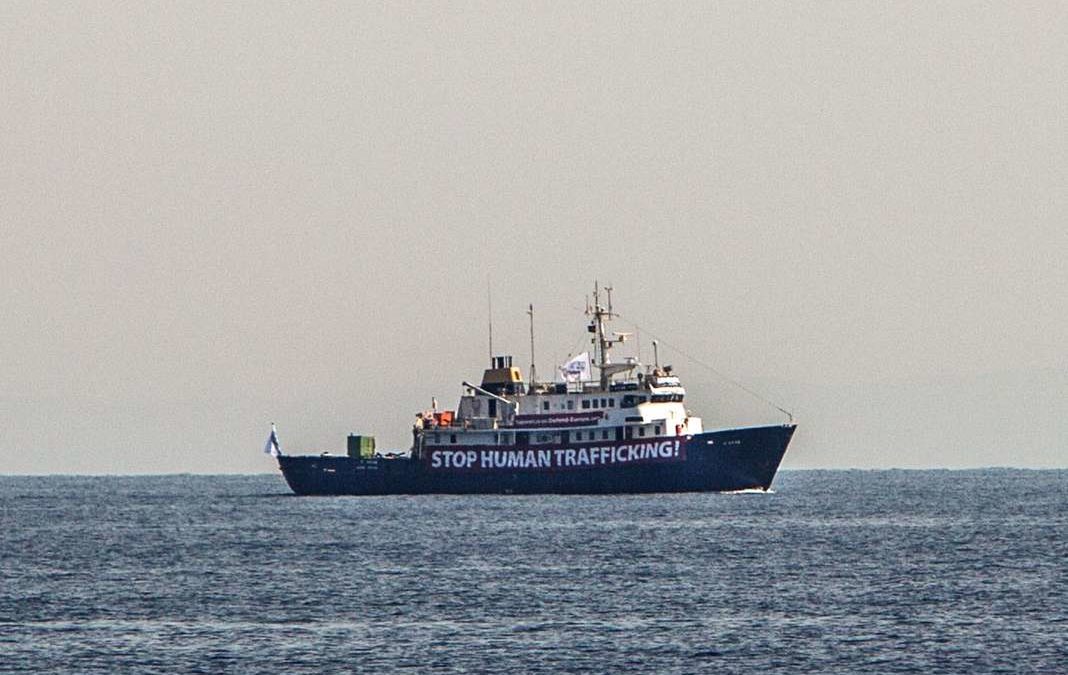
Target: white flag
(272, 448)
(578, 369)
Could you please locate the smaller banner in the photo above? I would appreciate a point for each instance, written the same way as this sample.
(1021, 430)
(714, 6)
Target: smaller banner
(574, 419)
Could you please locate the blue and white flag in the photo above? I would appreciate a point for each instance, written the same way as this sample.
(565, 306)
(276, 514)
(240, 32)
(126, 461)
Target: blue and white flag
(577, 369)
(272, 448)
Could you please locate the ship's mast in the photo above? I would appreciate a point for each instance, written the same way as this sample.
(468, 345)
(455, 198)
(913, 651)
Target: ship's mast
(603, 343)
(489, 314)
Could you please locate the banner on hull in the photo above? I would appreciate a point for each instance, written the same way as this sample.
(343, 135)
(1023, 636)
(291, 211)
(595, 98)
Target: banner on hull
(556, 458)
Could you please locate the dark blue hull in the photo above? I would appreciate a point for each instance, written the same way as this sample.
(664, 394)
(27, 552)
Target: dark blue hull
(717, 461)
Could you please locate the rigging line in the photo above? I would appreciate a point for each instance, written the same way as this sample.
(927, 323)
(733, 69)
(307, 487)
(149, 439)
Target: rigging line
(574, 351)
(582, 340)
(721, 375)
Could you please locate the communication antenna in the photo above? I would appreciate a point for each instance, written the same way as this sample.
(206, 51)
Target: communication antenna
(656, 354)
(533, 375)
(489, 301)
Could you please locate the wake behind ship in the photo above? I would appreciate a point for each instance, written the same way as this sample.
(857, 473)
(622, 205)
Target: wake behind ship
(625, 431)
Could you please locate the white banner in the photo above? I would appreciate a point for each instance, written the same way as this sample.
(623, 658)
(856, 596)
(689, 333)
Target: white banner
(579, 457)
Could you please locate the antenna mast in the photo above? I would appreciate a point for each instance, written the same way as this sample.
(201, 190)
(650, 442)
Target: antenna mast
(602, 342)
(489, 301)
(533, 376)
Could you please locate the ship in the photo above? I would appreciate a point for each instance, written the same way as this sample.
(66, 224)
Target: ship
(623, 429)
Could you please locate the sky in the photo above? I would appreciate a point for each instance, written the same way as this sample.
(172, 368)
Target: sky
(214, 216)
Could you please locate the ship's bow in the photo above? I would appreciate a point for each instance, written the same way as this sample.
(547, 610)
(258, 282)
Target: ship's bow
(740, 459)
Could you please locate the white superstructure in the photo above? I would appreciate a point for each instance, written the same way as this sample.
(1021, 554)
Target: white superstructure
(626, 401)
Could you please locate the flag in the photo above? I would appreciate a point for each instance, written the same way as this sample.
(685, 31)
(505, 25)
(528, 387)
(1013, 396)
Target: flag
(272, 448)
(577, 369)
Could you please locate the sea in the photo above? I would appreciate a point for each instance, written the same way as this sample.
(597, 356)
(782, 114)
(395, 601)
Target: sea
(896, 571)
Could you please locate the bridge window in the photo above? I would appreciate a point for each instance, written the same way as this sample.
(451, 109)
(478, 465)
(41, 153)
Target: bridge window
(667, 398)
(452, 438)
(570, 404)
(544, 405)
(585, 403)
(611, 403)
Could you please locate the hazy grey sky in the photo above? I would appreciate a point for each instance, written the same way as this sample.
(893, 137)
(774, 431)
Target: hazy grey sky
(217, 215)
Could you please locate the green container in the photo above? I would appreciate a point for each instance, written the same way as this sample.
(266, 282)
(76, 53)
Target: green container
(361, 447)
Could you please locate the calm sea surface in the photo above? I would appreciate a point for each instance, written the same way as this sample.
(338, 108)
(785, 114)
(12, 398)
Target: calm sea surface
(836, 571)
